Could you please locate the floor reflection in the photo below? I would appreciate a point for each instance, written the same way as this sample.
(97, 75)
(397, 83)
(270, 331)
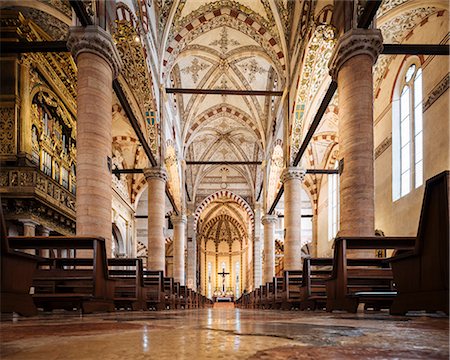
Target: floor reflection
(222, 333)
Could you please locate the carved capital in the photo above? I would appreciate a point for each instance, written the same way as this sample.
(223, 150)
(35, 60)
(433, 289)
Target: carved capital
(157, 173)
(355, 42)
(178, 219)
(292, 173)
(95, 40)
(269, 219)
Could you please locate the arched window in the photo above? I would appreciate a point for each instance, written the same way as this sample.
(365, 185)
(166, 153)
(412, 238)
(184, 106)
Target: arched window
(333, 203)
(237, 289)
(407, 131)
(209, 280)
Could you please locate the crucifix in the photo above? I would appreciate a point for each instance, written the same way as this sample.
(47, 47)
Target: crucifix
(223, 273)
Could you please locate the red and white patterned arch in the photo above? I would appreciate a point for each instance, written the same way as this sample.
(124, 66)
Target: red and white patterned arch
(249, 19)
(226, 110)
(220, 194)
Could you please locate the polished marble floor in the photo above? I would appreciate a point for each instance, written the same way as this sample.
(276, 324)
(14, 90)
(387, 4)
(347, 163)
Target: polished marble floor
(224, 334)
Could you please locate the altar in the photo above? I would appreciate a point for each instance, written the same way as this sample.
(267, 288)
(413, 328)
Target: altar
(223, 294)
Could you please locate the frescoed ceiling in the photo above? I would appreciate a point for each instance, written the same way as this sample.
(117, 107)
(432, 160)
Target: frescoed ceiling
(233, 45)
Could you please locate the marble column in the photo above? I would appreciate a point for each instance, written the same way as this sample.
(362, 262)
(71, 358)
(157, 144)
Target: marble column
(179, 244)
(45, 231)
(257, 248)
(292, 178)
(98, 63)
(156, 180)
(351, 66)
(269, 222)
(191, 266)
(29, 229)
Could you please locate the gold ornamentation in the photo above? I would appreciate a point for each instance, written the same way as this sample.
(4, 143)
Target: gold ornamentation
(7, 131)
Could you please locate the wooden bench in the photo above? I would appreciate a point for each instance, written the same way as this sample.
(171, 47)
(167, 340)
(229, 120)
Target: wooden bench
(61, 283)
(291, 292)
(17, 269)
(316, 271)
(170, 297)
(129, 291)
(278, 292)
(154, 289)
(184, 297)
(422, 276)
(367, 281)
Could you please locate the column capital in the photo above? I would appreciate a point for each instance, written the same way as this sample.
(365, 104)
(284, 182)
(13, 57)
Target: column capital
(29, 222)
(157, 173)
(292, 173)
(178, 219)
(269, 219)
(355, 42)
(93, 39)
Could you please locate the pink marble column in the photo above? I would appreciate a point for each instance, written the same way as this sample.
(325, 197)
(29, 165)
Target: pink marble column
(156, 180)
(269, 222)
(292, 178)
(351, 66)
(98, 63)
(179, 244)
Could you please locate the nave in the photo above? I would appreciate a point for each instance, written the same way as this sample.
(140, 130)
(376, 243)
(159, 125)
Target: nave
(225, 333)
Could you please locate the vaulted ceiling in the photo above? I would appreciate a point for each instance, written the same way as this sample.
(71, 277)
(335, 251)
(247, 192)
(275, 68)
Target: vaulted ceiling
(225, 45)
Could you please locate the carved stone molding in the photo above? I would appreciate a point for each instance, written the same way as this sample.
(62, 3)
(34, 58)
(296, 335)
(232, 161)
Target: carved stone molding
(355, 42)
(384, 145)
(293, 173)
(95, 40)
(178, 219)
(269, 219)
(156, 173)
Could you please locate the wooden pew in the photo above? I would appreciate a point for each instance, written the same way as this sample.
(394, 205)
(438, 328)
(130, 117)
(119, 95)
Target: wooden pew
(17, 269)
(367, 281)
(170, 293)
(61, 283)
(313, 293)
(184, 297)
(154, 290)
(278, 292)
(422, 276)
(291, 291)
(269, 298)
(129, 291)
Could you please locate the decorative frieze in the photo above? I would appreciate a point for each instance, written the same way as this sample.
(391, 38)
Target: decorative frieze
(384, 145)
(28, 181)
(436, 93)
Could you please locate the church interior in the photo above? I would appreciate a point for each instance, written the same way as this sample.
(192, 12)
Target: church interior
(213, 179)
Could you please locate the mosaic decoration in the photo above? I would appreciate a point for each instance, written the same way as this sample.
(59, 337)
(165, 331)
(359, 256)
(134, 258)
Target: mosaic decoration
(314, 72)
